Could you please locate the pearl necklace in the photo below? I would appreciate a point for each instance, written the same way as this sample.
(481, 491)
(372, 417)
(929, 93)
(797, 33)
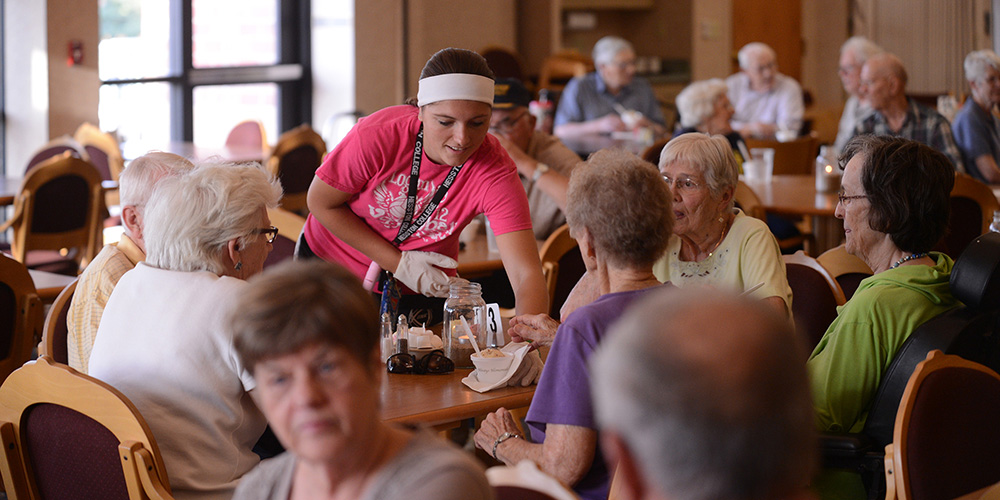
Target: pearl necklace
(908, 258)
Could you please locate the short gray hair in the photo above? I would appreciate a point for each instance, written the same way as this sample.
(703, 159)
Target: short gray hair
(752, 48)
(712, 154)
(137, 181)
(977, 62)
(608, 47)
(861, 47)
(697, 101)
(624, 204)
(191, 218)
(709, 405)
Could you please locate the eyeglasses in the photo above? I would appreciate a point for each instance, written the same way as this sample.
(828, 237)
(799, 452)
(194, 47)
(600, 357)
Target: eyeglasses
(684, 183)
(434, 362)
(846, 200)
(508, 123)
(270, 232)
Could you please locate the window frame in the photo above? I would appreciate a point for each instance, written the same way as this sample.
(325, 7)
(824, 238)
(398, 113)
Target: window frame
(292, 73)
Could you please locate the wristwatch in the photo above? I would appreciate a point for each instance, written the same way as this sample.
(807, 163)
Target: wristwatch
(539, 171)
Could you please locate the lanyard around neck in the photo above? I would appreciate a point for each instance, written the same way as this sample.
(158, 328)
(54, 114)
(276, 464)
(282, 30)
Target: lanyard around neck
(406, 227)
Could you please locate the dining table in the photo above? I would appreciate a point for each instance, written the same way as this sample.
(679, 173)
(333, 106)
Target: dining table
(796, 195)
(48, 285)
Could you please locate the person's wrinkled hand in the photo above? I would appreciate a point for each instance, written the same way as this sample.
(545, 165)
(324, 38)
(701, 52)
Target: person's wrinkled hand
(534, 327)
(528, 372)
(421, 271)
(493, 426)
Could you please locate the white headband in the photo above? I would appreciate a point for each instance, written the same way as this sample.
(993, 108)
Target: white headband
(451, 86)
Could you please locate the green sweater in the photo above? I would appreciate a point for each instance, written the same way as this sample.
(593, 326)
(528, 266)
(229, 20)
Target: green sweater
(847, 365)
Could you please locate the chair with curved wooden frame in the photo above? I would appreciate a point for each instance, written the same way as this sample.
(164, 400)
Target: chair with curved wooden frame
(847, 269)
(294, 161)
(104, 151)
(558, 69)
(814, 306)
(248, 134)
(69, 435)
(972, 207)
(21, 315)
(58, 207)
(945, 438)
(55, 331)
(55, 147)
(289, 226)
(796, 157)
(552, 254)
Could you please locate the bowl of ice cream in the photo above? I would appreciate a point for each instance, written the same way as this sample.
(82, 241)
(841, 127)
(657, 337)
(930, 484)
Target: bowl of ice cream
(491, 365)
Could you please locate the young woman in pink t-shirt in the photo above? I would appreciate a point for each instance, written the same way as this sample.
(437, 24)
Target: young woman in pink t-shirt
(363, 217)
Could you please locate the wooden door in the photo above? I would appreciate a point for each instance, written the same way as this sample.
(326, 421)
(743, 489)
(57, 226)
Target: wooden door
(777, 23)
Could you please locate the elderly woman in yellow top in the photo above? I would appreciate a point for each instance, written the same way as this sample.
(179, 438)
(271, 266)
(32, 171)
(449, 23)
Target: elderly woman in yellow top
(713, 243)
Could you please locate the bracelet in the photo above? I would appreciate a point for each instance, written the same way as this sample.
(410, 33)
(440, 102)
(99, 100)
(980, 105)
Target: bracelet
(539, 172)
(503, 437)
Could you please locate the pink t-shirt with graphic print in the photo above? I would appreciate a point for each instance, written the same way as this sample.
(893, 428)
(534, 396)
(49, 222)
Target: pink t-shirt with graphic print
(373, 163)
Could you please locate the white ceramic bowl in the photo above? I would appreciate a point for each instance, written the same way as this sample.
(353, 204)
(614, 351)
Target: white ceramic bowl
(491, 370)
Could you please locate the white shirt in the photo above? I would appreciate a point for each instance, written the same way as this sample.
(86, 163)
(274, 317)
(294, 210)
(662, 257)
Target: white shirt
(781, 106)
(164, 343)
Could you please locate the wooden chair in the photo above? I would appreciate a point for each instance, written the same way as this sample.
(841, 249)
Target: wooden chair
(555, 254)
(652, 153)
(815, 297)
(946, 436)
(69, 435)
(58, 207)
(55, 331)
(748, 201)
(558, 69)
(289, 228)
(294, 161)
(525, 481)
(792, 157)
(21, 315)
(104, 151)
(847, 269)
(248, 134)
(972, 207)
(56, 147)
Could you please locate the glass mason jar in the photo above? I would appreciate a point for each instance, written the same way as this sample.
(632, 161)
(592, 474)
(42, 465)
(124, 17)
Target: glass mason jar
(465, 300)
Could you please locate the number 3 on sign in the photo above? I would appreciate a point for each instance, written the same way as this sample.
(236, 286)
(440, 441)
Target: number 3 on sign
(494, 329)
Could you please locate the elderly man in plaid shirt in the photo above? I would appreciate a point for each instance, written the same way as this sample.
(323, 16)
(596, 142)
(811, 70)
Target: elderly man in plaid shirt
(883, 86)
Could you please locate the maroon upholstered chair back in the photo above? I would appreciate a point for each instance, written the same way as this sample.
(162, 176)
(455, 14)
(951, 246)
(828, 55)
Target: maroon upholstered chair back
(72, 456)
(297, 169)
(849, 283)
(49, 152)
(814, 305)
(953, 435)
(100, 160)
(8, 318)
(517, 493)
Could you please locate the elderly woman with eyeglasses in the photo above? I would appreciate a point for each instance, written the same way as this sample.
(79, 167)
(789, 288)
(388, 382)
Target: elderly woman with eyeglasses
(163, 339)
(308, 332)
(713, 243)
(894, 202)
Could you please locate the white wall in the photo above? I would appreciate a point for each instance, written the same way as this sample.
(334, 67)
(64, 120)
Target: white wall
(25, 82)
(332, 59)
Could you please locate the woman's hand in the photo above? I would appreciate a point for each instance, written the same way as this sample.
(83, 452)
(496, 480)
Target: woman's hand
(539, 328)
(421, 271)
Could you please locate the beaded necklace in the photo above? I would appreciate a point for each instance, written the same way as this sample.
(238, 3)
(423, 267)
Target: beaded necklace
(908, 258)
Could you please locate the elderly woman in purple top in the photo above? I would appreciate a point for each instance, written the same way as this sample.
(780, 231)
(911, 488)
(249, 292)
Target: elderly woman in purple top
(612, 188)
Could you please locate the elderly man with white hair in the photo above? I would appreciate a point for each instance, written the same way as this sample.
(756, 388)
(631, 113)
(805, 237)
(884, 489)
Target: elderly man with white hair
(135, 185)
(853, 55)
(765, 101)
(592, 104)
(976, 130)
(705, 405)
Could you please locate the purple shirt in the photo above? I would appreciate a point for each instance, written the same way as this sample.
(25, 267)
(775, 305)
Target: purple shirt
(563, 393)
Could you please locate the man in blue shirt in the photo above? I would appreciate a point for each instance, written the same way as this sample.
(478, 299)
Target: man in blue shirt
(607, 100)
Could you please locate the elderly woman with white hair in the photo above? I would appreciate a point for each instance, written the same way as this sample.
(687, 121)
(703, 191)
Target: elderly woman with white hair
(163, 339)
(704, 107)
(976, 130)
(591, 104)
(613, 186)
